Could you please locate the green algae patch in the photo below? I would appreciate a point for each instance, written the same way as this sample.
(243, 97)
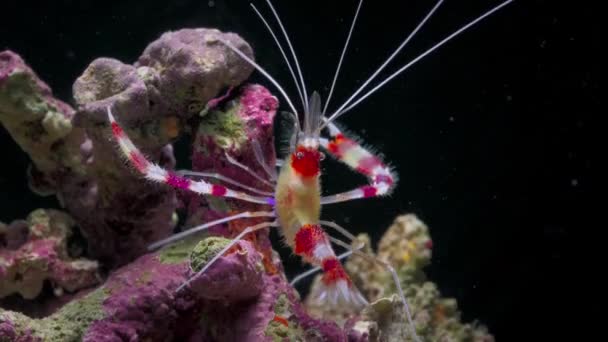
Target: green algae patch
(206, 250)
(226, 128)
(21, 323)
(278, 332)
(280, 328)
(69, 324)
(73, 320)
(281, 307)
(177, 252)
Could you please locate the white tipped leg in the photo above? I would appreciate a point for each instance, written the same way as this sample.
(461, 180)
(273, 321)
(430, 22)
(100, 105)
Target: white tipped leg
(197, 229)
(225, 249)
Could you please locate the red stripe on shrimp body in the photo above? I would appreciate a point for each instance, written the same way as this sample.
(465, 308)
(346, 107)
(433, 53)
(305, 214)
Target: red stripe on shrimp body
(305, 161)
(307, 238)
(333, 271)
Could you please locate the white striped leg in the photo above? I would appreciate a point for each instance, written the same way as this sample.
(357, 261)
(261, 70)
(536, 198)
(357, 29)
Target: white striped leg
(156, 173)
(246, 231)
(361, 160)
(225, 179)
(197, 229)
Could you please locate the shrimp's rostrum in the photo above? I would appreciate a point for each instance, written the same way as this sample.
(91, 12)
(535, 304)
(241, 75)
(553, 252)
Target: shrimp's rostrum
(297, 200)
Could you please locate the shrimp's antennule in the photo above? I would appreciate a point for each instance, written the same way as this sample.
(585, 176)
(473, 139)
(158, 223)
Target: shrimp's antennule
(263, 72)
(390, 58)
(293, 53)
(276, 40)
(342, 108)
(350, 33)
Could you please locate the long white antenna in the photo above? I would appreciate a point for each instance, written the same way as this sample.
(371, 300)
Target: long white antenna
(276, 40)
(390, 58)
(262, 71)
(295, 58)
(424, 54)
(350, 32)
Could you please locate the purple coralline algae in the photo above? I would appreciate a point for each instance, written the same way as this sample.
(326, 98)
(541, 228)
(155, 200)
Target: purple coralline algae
(186, 85)
(36, 250)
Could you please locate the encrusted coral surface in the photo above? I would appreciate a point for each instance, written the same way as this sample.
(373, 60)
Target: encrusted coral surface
(184, 82)
(36, 250)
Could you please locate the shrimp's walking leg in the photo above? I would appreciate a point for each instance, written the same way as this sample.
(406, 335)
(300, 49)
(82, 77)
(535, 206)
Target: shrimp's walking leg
(236, 239)
(189, 173)
(351, 153)
(248, 170)
(386, 266)
(156, 173)
(316, 269)
(194, 230)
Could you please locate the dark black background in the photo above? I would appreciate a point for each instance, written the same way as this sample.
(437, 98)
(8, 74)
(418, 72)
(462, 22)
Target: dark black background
(490, 135)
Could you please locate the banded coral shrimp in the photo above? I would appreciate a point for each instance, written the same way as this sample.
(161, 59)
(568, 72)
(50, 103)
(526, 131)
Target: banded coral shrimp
(296, 201)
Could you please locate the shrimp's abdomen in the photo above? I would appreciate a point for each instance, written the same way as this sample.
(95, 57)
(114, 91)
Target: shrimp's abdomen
(297, 202)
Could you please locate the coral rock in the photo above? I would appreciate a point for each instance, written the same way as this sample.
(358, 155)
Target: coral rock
(41, 125)
(231, 279)
(192, 66)
(36, 250)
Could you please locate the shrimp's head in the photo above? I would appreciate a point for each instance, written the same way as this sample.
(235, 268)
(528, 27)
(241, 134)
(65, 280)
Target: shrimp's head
(306, 161)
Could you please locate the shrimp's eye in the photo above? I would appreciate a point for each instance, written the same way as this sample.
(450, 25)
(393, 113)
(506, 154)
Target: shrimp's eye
(305, 161)
(321, 156)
